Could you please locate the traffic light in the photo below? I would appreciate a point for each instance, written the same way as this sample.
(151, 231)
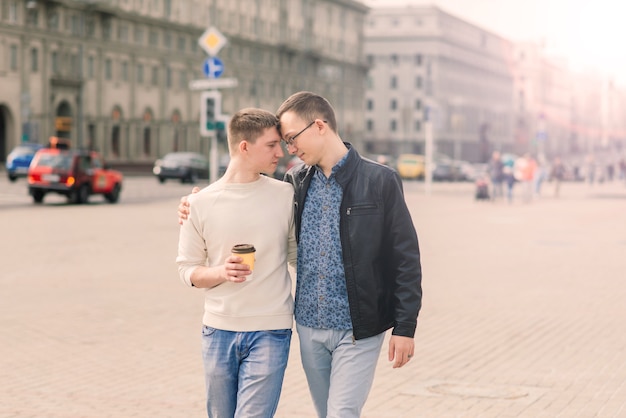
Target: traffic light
(210, 111)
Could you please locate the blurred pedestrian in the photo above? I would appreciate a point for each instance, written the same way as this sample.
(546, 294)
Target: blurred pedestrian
(508, 171)
(496, 175)
(557, 174)
(248, 313)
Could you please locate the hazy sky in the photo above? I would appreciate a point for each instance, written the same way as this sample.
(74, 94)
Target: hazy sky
(589, 33)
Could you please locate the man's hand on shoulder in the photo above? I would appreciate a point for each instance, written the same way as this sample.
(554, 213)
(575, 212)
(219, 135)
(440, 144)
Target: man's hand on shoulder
(183, 206)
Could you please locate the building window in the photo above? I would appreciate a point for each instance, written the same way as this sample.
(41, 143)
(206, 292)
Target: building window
(13, 58)
(418, 82)
(394, 60)
(90, 62)
(168, 77)
(155, 76)
(122, 33)
(418, 60)
(108, 69)
(75, 25)
(32, 17)
(55, 62)
(124, 70)
(370, 104)
(418, 125)
(394, 104)
(167, 40)
(139, 35)
(393, 82)
(12, 15)
(370, 60)
(167, 8)
(106, 29)
(139, 73)
(115, 141)
(153, 38)
(53, 19)
(393, 125)
(182, 43)
(34, 60)
(370, 125)
(146, 140)
(74, 68)
(418, 104)
(183, 79)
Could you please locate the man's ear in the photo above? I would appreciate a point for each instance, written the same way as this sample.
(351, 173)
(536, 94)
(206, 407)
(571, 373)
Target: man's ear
(243, 146)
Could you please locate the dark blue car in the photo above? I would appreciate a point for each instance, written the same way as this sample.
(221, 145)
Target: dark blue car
(19, 159)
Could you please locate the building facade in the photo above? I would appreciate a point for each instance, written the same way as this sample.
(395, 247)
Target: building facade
(426, 63)
(113, 75)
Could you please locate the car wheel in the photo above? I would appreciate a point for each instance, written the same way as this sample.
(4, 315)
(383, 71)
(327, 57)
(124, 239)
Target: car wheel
(38, 196)
(114, 196)
(161, 179)
(12, 177)
(81, 195)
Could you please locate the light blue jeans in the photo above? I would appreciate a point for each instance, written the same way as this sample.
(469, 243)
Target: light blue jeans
(244, 371)
(340, 371)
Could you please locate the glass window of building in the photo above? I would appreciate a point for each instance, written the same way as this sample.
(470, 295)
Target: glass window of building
(418, 104)
(122, 34)
(55, 62)
(139, 73)
(32, 17)
(106, 28)
(75, 25)
(418, 60)
(168, 77)
(393, 82)
(12, 15)
(370, 125)
(139, 35)
(394, 104)
(167, 40)
(418, 125)
(53, 19)
(370, 104)
(418, 82)
(108, 69)
(394, 60)
(155, 76)
(13, 58)
(183, 79)
(182, 43)
(34, 60)
(124, 70)
(90, 65)
(393, 125)
(153, 38)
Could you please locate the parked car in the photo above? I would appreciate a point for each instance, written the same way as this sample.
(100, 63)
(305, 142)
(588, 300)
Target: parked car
(183, 166)
(19, 159)
(411, 166)
(76, 174)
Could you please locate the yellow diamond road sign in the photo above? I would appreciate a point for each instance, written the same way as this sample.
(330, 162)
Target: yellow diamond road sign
(212, 41)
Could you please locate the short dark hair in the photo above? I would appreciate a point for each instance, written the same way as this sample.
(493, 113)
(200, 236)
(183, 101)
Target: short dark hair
(309, 106)
(249, 124)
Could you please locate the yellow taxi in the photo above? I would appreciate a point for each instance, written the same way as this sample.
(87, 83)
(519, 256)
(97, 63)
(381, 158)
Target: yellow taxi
(411, 166)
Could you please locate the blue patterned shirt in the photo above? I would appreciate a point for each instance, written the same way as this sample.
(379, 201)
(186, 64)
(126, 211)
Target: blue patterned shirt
(321, 295)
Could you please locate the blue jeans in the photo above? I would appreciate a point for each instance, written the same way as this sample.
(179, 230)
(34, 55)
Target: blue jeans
(244, 371)
(340, 371)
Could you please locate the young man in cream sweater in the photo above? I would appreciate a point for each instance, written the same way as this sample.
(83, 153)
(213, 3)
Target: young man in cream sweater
(248, 314)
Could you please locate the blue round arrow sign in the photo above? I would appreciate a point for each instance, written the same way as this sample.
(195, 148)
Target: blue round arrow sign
(213, 67)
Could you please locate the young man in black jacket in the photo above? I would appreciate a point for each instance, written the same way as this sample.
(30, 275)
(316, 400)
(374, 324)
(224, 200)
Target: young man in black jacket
(359, 271)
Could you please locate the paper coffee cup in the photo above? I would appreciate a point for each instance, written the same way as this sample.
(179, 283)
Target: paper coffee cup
(245, 251)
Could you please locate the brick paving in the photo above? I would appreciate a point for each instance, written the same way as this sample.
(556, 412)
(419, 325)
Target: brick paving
(524, 310)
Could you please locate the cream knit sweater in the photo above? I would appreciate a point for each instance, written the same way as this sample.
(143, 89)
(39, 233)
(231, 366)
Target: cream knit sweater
(259, 213)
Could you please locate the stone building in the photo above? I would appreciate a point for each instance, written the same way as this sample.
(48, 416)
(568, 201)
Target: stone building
(428, 63)
(114, 75)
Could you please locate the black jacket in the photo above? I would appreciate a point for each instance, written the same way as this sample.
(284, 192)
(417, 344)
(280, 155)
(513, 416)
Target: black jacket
(381, 255)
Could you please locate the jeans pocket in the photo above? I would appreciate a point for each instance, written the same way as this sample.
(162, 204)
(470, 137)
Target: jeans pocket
(208, 331)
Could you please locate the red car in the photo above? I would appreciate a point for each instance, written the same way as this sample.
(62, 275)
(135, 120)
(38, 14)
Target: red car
(76, 174)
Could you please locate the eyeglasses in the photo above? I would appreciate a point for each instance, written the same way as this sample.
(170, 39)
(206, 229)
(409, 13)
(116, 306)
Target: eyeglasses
(292, 140)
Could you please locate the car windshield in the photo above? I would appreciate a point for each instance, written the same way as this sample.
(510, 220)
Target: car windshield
(61, 161)
(178, 157)
(24, 151)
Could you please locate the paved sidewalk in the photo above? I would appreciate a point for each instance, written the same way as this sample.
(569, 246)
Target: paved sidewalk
(523, 316)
